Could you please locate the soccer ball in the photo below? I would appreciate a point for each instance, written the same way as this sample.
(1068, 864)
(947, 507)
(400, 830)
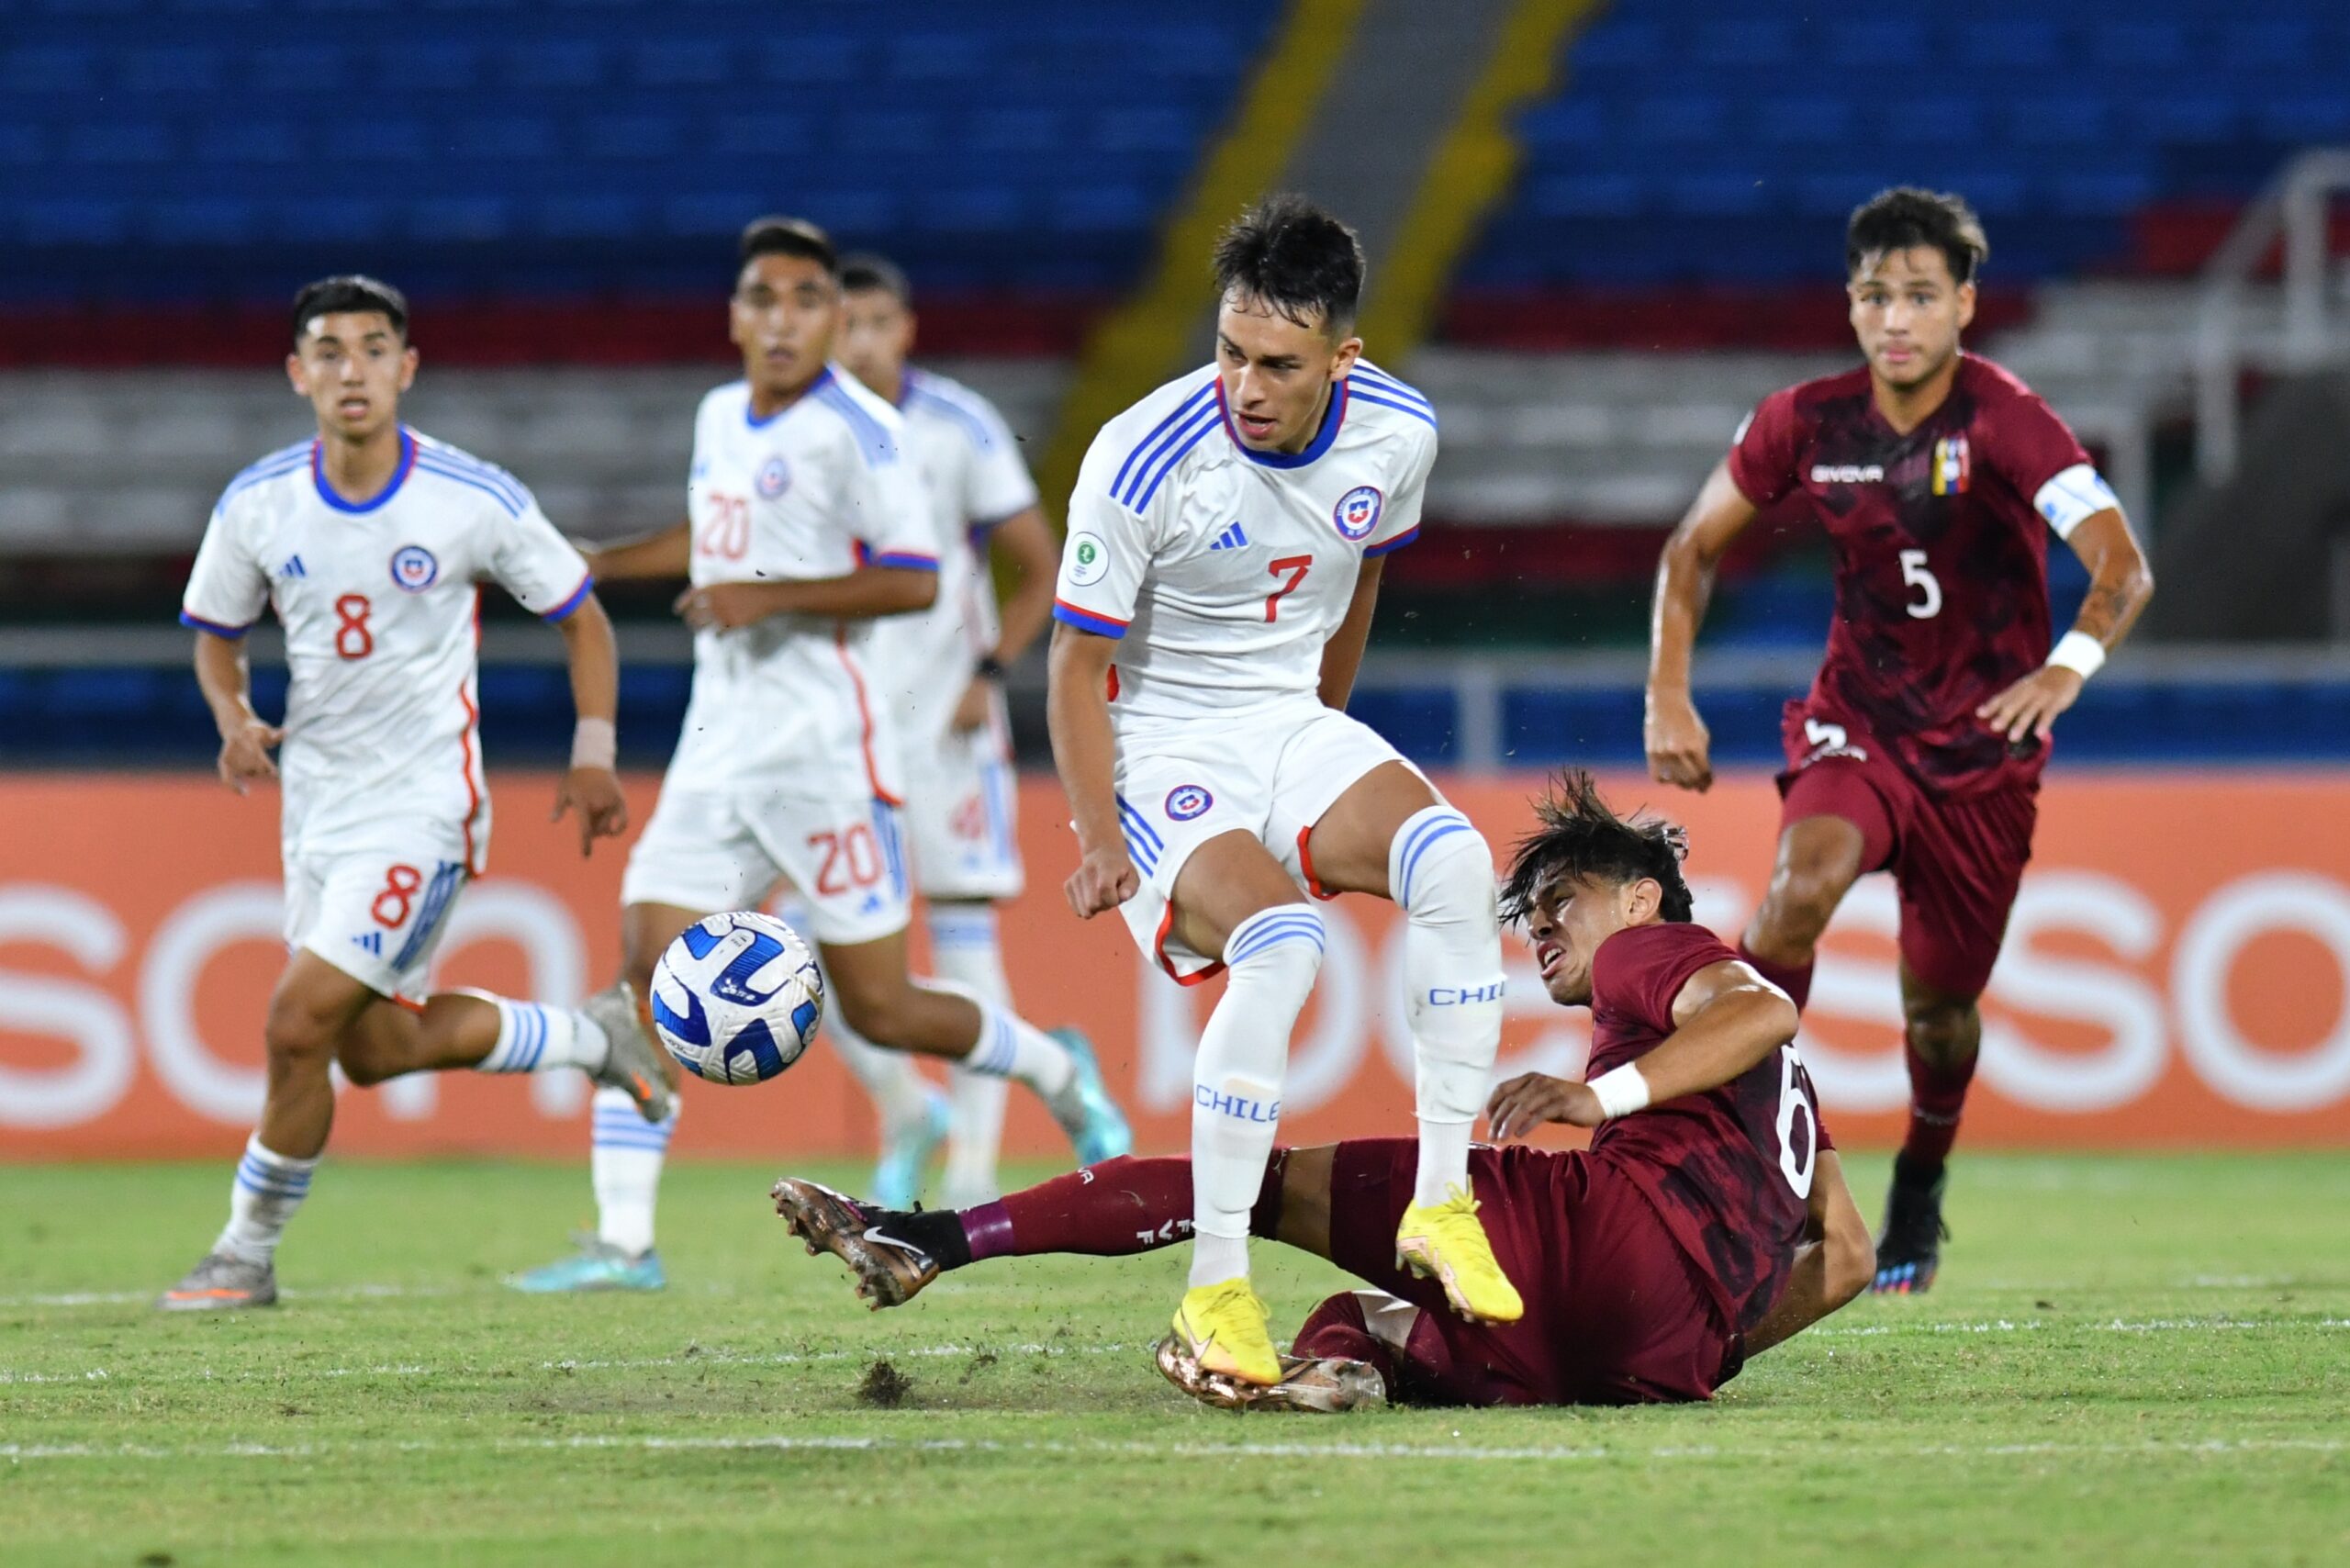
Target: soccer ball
(737, 997)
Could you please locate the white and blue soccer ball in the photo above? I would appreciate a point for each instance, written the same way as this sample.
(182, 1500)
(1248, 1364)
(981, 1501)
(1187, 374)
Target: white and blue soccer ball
(737, 997)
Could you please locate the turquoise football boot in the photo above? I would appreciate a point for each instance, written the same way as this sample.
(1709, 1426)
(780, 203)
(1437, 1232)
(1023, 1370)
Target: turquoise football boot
(1096, 1128)
(905, 1160)
(595, 1267)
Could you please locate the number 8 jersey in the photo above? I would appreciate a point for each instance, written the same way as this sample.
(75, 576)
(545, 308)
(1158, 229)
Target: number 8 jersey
(1224, 570)
(379, 601)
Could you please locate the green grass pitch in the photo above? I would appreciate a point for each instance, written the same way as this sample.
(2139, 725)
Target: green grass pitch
(2128, 1360)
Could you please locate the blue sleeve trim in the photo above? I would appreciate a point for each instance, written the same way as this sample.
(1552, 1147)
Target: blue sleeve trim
(906, 559)
(579, 597)
(201, 624)
(1395, 544)
(1069, 614)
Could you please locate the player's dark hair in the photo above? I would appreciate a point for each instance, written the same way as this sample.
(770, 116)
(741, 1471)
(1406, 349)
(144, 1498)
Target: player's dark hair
(1907, 216)
(1297, 258)
(1581, 837)
(776, 236)
(349, 292)
(865, 271)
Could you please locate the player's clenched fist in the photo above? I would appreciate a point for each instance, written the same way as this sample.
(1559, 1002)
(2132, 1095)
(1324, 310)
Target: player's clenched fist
(1528, 1100)
(1679, 746)
(244, 753)
(1104, 879)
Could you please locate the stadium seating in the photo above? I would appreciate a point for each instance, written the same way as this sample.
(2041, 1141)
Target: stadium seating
(988, 146)
(1704, 143)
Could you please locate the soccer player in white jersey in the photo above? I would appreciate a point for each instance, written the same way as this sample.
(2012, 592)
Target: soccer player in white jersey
(806, 523)
(1225, 549)
(940, 672)
(368, 540)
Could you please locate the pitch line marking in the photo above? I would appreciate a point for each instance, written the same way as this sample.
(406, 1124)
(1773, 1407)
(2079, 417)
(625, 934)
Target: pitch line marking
(1416, 1452)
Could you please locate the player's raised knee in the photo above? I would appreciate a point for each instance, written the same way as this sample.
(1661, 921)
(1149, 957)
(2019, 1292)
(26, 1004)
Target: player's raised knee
(1942, 1029)
(1284, 942)
(1440, 867)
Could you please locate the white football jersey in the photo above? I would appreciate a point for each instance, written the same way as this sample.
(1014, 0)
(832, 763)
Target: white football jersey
(788, 704)
(972, 470)
(379, 603)
(1225, 570)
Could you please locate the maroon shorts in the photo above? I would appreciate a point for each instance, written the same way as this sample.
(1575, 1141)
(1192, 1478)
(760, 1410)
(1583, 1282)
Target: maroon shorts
(1615, 1313)
(1956, 863)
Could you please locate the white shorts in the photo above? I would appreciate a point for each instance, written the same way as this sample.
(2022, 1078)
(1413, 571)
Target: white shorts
(377, 914)
(714, 851)
(1272, 775)
(962, 815)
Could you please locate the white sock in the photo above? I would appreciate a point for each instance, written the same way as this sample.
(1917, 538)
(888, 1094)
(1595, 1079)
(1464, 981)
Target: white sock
(533, 1038)
(1441, 874)
(1010, 1046)
(899, 1092)
(269, 1188)
(1272, 958)
(625, 1165)
(964, 949)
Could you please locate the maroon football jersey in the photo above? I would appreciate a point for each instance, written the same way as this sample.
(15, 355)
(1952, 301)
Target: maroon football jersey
(1941, 562)
(1730, 1170)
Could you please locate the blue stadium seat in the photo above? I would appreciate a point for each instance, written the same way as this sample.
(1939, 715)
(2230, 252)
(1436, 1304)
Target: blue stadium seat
(433, 131)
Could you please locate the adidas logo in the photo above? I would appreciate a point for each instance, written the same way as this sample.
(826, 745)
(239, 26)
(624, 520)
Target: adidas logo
(293, 568)
(373, 941)
(1232, 538)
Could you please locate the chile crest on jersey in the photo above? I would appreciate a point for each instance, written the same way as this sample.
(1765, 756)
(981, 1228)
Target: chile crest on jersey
(775, 477)
(1357, 512)
(414, 568)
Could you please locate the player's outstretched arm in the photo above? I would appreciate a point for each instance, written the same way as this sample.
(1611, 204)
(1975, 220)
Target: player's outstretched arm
(1342, 655)
(1833, 1265)
(1679, 748)
(1726, 1019)
(666, 552)
(2121, 583)
(1026, 541)
(1085, 751)
(245, 741)
(865, 594)
(590, 783)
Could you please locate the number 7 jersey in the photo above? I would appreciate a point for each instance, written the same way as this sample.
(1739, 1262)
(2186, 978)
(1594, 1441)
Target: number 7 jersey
(1224, 570)
(379, 601)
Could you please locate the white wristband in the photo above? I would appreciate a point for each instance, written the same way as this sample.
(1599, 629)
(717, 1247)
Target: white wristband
(2078, 652)
(595, 742)
(1621, 1091)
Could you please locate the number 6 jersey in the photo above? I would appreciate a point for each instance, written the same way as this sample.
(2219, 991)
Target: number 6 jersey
(1222, 570)
(378, 598)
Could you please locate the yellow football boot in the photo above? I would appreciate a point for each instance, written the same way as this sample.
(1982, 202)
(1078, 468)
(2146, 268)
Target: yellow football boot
(1222, 1327)
(1447, 1243)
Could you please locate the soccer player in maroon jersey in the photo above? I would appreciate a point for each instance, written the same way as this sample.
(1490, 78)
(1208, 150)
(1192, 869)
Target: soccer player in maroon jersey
(1939, 478)
(1707, 1221)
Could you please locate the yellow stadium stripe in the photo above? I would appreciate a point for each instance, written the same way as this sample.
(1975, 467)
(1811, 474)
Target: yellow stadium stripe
(1141, 343)
(1470, 171)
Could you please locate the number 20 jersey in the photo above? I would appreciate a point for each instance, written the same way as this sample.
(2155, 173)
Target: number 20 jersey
(378, 600)
(790, 704)
(1224, 570)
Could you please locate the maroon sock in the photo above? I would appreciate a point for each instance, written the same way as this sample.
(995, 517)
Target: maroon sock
(1937, 1095)
(1792, 979)
(1110, 1210)
(1337, 1330)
